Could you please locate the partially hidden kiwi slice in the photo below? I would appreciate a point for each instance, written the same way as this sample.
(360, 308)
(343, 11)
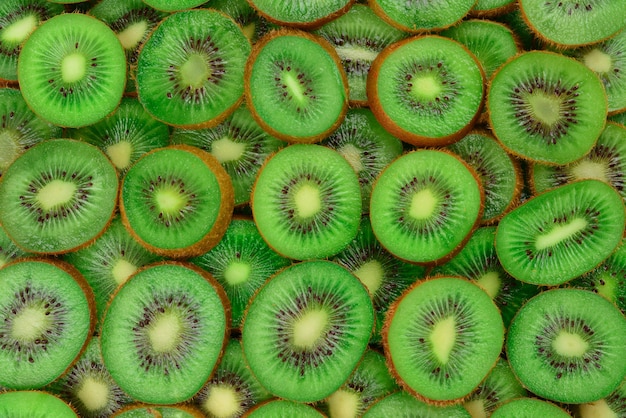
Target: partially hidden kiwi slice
(72, 70)
(142, 410)
(34, 404)
(402, 404)
(173, 5)
(164, 331)
(561, 234)
(306, 329)
(419, 16)
(277, 408)
(301, 13)
(58, 196)
(8, 250)
(177, 201)
(612, 405)
(190, 69)
(441, 339)
(567, 345)
(492, 8)
(47, 318)
(529, 408)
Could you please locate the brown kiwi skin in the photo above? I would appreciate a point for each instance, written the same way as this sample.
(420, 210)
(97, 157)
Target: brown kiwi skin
(305, 25)
(256, 49)
(390, 125)
(216, 233)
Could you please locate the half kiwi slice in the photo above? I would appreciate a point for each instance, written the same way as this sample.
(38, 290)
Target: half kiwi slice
(34, 404)
(306, 329)
(164, 331)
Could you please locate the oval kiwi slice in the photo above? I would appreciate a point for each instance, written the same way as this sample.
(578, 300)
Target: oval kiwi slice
(34, 404)
(306, 329)
(164, 331)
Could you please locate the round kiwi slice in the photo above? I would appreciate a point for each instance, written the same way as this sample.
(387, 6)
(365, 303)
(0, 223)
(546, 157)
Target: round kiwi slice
(301, 13)
(278, 408)
(47, 318)
(190, 69)
(402, 404)
(529, 408)
(164, 331)
(561, 234)
(177, 201)
(424, 206)
(441, 339)
(567, 345)
(295, 86)
(34, 404)
(546, 107)
(426, 90)
(306, 202)
(58, 196)
(421, 16)
(72, 70)
(306, 329)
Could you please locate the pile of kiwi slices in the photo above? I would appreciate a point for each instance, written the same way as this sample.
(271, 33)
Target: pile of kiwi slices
(340, 208)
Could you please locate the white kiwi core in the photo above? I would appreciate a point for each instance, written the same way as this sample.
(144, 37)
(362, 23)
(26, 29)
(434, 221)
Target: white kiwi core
(490, 282)
(371, 275)
(309, 328)
(94, 394)
(442, 338)
(119, 154)
(222, 402)
(73, 67)
(545, 108)
(29, 324)
(19, 30)
(423, 204)
(590, 170)
(237, 272)
(426, 87)
(560, 233)
(597, 409)
(226, 150)
(307, 201)
(8, 147)
(476, 408)
(569, 344)
(169, 201)
(343, 404)
(55, 193)
(352, 154)
(132, 34)
(597, 61)
(122, 270)
(164, 332)
(295, 88)
(195, 70)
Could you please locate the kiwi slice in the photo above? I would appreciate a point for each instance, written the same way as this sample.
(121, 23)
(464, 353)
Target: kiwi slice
(58, 196)
(306, 329)
(283, 408)
(442, 337)
(425, 205)
(164, 331)
(173, 5)
(241, 262)
(141, 410)
(8, 250)
(72, 70)
(34, 404)
(18, 19)
(567, 345)
(48, 317)
(561, 234)
(301, 13)
(418, 16)
(529, 408)
(20, 128)
(238, 143)
(573, 23)
(426, 90)
(295, 86)
(613, 405)
(254, 26)
(190, 69)
(402, 404)
(177, 201)
(492, 8)
(358, 36)
(546, 107)
(306, 202)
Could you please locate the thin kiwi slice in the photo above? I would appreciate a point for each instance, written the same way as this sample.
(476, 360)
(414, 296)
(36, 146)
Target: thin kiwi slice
(301, 13)
(613, 405)
(190, 69)
(238, 143)
(529, 408)
(8, 250)
(546, 107)
(34, 404)
(173, 5)
(306, 202)
(164, 331)
(72, 70)
(561, 234)
(47, 318)
(177, 201)
(567, 345)
(295, 86)
(58, 196)
(442, 337)
(419, 16)
(306, 329)
(425, 205)
(426, 90)
(278, 408)
(402, 404)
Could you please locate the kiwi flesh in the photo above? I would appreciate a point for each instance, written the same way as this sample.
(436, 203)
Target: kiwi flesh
(416, 16)
(34, 404)
(529, 408)
(403, 404)
(301, 13)
(283, 407)
(8, 250)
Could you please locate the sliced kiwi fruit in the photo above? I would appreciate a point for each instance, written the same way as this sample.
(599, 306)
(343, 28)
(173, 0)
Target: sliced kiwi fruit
(238, 143)
(567, 345)
(34, 404)
(418, 16)
(254, 26)
(278, 408)
(301, 13)
(177, 201)
(546, 107)
(441, 339)
(306, 329)
(492, 8)
(173, 5)
(72, 70)
(58, 196)
(425, 205)
(306, 202)
(402, 404)
(164, 332)
(561, 234)
(529, 408)
(48, 317)
(426, 90)
(295, 86)
(142, 410)
(613, 405)
(190, 69)
(8, 250)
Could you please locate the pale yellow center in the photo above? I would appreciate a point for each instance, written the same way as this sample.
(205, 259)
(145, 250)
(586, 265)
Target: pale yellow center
(569, 345)
(607, 286)
(442, 338)
(122, 270)
(371, 275)
(19, 30)
(55, 193)
(94, 394)
(427, 87)
(598, 61)
(294, 87)
(590, 170)
(423, 204)
(169, 201)
(476, 408)
(307, 201)
(343, 404)
(29, 324)
(226, 150)
(195, 71)
(8, 147)
(490, 282)
(355, 53)
(309, 328)
(249, 30)
(119, 154)
(222, 402)
(133, 34)
(546, 109)
(352, 154)
(597, 409)
(73, 67)
(560, 233)
(237, 273)
(164, 332)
